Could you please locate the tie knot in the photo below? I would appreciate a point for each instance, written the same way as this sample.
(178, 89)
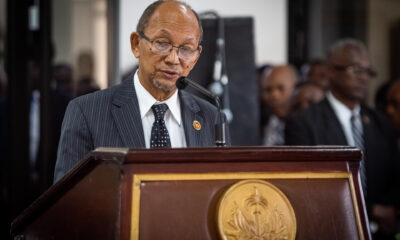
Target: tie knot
(159, 110)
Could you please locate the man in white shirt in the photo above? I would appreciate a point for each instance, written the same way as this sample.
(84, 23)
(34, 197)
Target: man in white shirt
(342, 119)
(146, 109)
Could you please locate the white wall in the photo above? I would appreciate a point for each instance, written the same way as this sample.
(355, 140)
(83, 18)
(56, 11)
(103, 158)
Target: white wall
(62, 30)
(81, 26)
(382, 14)
(270, 17)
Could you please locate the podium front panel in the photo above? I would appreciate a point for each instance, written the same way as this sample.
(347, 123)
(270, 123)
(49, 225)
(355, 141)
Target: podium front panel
(324, 203)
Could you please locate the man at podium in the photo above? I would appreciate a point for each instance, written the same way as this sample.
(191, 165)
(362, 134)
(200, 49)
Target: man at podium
(146, 110)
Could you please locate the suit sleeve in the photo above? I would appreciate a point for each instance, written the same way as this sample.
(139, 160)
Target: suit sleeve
(297, 131)
(75, 141)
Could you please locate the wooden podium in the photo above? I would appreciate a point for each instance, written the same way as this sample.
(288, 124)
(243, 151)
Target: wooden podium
(175, 193)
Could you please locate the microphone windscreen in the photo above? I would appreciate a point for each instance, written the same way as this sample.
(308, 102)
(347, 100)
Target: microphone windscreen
(181, 83)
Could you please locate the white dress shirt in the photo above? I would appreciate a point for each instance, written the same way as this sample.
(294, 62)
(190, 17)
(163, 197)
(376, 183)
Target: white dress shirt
(173, 117)
(274, 132)
(343, 113)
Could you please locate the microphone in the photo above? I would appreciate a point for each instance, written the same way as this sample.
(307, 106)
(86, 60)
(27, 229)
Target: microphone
(220, 121)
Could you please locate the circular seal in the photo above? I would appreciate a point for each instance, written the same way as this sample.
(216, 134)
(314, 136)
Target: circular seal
(255, 209)
(196, 125)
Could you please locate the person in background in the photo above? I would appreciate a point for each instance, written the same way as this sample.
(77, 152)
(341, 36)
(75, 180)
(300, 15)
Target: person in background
(342, 119)
(393, 107)
(262, 75)
(380, 99)
(277, 87)
(63, 79)
(316, 72)
(86, 85)
(393, 111)
(306, 94)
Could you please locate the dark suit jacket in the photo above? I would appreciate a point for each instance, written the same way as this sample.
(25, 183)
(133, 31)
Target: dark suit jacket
(319, 125)
(111, 118)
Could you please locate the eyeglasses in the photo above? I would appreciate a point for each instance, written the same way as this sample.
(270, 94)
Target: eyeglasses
(163, 48)
(356, 69)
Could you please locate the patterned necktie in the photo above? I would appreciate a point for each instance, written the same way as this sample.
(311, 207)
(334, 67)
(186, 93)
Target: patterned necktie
(159, 132)
(356, 128)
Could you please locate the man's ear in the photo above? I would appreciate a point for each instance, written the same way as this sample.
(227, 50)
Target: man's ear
(135, 44)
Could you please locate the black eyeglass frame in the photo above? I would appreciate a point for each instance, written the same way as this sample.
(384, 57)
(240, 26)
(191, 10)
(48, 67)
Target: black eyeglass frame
(356, 69)
(172, 46)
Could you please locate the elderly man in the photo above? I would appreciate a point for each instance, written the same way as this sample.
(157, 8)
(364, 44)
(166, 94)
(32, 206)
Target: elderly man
(146, 110)
(341, 119)
(276, 91)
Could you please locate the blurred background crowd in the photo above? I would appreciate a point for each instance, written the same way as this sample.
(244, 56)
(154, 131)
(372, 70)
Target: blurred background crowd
(303, 55)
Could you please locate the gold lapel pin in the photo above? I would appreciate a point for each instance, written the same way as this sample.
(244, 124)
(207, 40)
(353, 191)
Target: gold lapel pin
(196, 125)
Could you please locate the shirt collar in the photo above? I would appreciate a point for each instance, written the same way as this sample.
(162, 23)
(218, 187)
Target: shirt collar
(146, 100)
(341, 110)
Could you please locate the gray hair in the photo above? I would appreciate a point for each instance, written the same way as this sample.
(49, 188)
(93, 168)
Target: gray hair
(148, 12)
(346, 42)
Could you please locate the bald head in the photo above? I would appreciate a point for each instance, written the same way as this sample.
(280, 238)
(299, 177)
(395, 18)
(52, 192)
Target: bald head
(149, 11)
(277, 89)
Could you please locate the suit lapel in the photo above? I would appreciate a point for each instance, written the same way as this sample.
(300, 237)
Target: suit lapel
(190, 113)
(334, 131)
(126, 114)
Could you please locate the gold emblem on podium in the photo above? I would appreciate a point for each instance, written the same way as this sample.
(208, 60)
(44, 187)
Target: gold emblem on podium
(255, 209)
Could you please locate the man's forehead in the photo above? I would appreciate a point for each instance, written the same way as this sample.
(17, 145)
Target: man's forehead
(173, 14)
(351, 54)
(281, 77)
(170, 11)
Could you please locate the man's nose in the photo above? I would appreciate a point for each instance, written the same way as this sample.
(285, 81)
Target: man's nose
(275, 93)
(172, 56)
(364, 77)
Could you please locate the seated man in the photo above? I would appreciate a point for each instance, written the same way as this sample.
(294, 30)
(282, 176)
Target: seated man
(341, 119)
(146, 110)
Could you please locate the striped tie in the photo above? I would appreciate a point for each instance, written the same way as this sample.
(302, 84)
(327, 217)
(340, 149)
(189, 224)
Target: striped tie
(356, 128)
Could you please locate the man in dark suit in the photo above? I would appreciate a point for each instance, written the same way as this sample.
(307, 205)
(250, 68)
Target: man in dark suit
(167, 45)
(341, 119)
